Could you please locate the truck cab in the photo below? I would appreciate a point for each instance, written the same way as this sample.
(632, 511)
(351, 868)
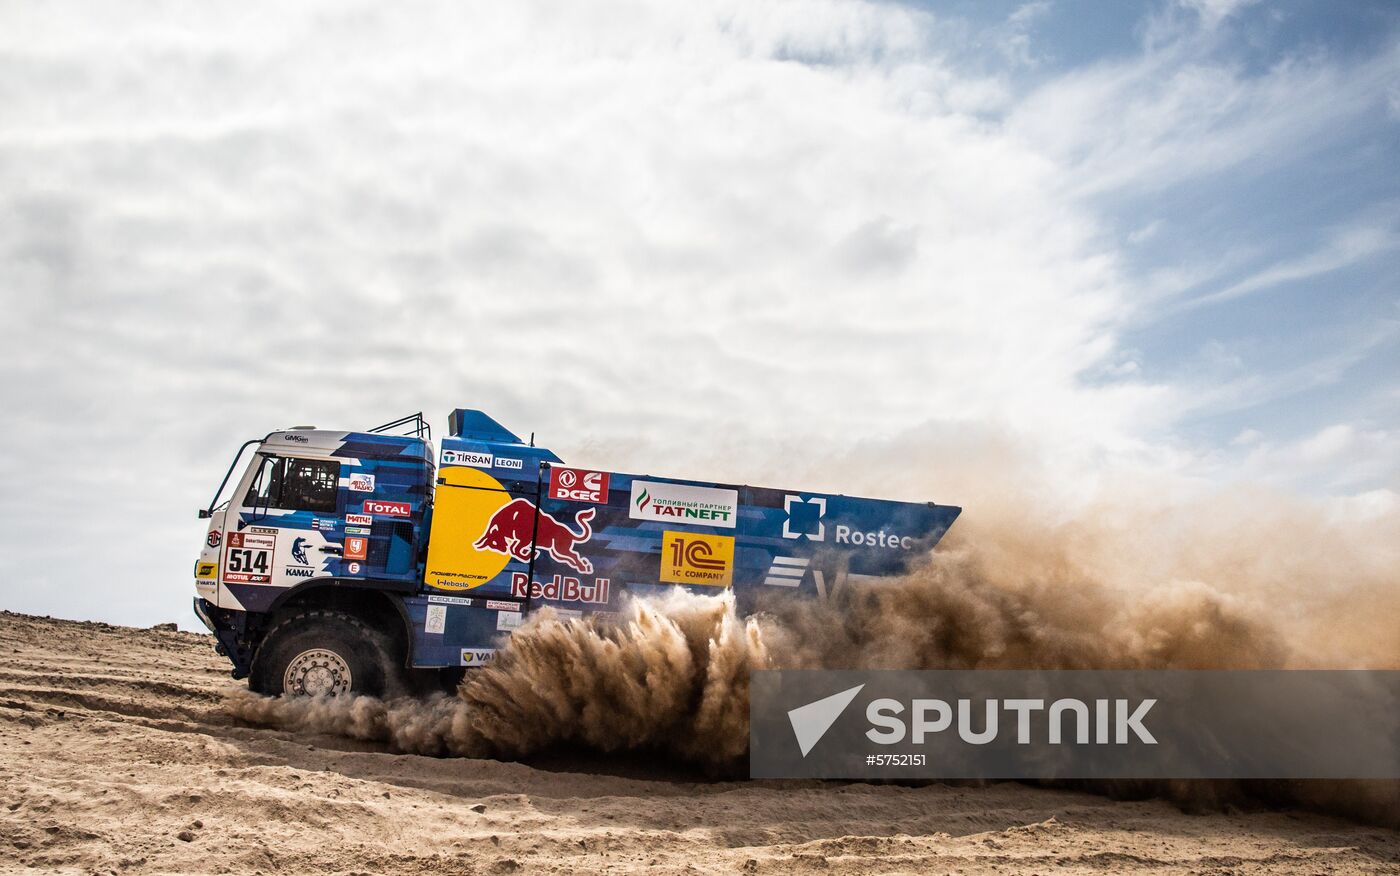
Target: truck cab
(317, 520)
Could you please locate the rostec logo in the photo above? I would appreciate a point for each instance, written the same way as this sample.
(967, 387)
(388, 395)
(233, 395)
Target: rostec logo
(691, 558)
(818, 503)
(880, 538)
(518, 530)
(578, 485)
(560, 589)
(388, 509)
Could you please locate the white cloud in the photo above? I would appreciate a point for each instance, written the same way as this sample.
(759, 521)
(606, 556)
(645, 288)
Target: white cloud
(1347, 247)
(669, 238)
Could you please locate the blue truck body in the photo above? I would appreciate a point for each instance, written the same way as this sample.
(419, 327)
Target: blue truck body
(447, 552)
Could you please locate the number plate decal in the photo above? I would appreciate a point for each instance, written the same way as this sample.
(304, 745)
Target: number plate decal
(248, 556)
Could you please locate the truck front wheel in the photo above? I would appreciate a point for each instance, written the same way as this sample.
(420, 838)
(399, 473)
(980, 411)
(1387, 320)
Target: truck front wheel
(322, 653)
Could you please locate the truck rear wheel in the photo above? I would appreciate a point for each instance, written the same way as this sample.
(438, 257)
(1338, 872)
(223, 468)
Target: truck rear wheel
(323, 653)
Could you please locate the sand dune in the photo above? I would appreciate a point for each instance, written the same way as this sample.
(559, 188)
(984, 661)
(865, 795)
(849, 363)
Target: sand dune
(117, 755)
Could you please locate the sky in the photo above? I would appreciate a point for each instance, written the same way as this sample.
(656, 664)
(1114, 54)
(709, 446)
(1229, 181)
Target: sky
(699, 240)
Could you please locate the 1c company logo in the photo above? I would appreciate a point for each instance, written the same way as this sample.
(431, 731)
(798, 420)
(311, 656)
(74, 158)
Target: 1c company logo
(692, 558)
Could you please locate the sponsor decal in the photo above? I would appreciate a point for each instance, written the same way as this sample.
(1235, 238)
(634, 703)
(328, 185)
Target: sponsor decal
(437, 619)
(473, 458)
(323, 525)
(300, 439)
(478, 656)
(685, 504)
(509, 462)
(518, 530)
(299, 551)
(813, 510)
(561, 588)
(692, 558)
(786, 571)
(359, 520)
(298, 571)
(502, 605)
(362, 483)
(578, 485)
(356, 547)
(206, 571)
(388, 509)
(357, 530)
(509, 620)
(248, 556)
(353, 568)
(213, 538)
(450, 600)
(880, 538)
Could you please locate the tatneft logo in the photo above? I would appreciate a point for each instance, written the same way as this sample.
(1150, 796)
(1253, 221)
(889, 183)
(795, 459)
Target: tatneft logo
(578, 485)
(683, 503)
(388, 509)
(890, 725)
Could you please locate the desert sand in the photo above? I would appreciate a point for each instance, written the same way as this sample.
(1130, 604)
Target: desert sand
(118, 755)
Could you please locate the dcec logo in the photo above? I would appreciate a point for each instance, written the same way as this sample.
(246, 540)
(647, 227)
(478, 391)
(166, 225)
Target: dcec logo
(578, 485)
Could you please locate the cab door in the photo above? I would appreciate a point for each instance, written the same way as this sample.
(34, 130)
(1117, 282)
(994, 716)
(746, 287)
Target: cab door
(279, 537)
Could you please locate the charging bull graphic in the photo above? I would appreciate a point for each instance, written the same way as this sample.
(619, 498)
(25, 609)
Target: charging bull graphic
(515, 531)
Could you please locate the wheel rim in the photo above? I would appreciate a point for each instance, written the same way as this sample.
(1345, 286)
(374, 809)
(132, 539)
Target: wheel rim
(317, 672)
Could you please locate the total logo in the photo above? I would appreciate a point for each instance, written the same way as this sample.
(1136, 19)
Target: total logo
(518, 530)
(388, 509)
(578, 485)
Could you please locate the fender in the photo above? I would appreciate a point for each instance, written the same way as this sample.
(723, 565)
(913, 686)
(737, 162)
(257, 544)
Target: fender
(366, 584)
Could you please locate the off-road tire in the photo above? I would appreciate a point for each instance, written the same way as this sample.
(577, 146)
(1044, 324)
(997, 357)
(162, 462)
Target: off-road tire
(333, 642)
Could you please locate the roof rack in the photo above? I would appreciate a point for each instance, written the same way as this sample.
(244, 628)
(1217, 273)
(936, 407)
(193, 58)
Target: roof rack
(413, 424)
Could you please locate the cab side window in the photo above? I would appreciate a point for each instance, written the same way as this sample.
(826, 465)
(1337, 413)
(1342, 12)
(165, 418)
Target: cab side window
(295, 485)
(310, 485)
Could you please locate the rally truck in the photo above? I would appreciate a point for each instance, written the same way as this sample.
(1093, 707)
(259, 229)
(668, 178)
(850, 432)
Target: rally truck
(368, 562)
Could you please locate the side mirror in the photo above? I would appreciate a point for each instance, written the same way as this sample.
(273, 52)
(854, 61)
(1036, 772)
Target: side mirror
(204, 514)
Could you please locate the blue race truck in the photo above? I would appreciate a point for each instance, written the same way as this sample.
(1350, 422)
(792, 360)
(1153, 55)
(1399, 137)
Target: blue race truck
(356, 561)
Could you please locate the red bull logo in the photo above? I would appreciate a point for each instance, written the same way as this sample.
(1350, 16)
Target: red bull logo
(518, 530)
(560, 588)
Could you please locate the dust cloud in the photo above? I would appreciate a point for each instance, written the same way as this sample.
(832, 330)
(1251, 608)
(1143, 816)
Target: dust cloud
(1238, 580)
